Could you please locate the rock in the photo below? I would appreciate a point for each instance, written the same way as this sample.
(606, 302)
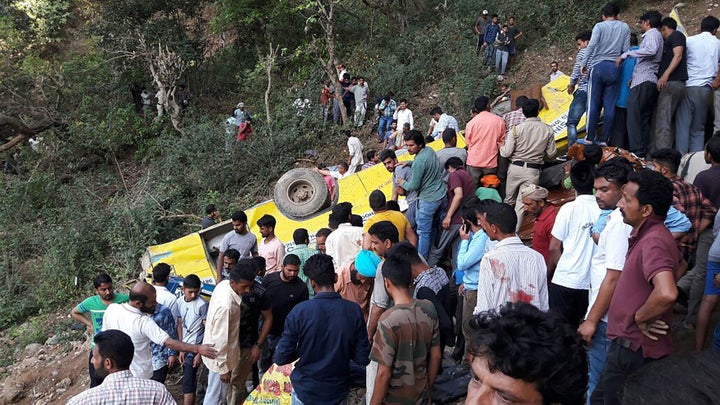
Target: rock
(64, 383)
(53, 340)
(29, 361)
(54, 373)
(60, 390)
(12, 392)
(32, 349)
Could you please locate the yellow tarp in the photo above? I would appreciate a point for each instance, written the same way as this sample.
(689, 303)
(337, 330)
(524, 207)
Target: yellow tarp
(558, 100)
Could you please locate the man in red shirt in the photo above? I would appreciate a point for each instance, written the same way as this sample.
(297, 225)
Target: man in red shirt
(484, 135)
(534, 199)
(641, 308)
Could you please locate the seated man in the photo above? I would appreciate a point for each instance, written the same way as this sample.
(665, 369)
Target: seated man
(550, 370)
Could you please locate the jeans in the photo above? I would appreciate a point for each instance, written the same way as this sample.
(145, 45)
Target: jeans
(690, 118)
(667, 103)
(603, 91)
(620, 363)
(501, 59)
(489, 53)
(384, 126)
(424, 218)
(268, 350)
(575, 112)
(597, 353)
(641, 105)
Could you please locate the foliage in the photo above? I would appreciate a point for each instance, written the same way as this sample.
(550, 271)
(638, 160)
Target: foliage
(109, 181)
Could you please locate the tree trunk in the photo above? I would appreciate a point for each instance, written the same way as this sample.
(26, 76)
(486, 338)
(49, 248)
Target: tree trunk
(327, 21)
(22, 130)
(269, 62)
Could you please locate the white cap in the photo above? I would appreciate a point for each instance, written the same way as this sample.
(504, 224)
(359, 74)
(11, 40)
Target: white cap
(240, 105)
(485, 12)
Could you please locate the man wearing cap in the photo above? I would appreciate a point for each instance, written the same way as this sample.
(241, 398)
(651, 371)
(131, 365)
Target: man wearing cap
(241, 114)
(479, 29)
(243, 119)
(527, 146)
(355, 280)
(534, 199)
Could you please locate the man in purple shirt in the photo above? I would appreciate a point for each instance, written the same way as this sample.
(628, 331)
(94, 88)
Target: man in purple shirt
(643, 85)
(641, 308)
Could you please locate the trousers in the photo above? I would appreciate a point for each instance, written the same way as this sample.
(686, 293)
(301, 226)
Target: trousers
(667, 103)
(690, 118)
(216, 393)
(575, 112)
(641, 105)
(603, 92)
(517, 177)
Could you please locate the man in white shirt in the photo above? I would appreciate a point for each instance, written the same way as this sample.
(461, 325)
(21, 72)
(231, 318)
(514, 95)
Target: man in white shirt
(355, 150)
(134, 318)
(511, 272)
(554, 71)
(344, 243)
(703, 55)
(360, 92)
(222, 331)
(403, 114)
(160, 276)
(341, 71)
(444, 121)
(607, 263)
(572, 248)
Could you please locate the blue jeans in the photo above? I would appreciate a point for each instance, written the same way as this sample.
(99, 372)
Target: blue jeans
(384, 126)
(597, 354)
(424, 217)
(575, 112)
(603, 92)
(489, 53)
(501, 58)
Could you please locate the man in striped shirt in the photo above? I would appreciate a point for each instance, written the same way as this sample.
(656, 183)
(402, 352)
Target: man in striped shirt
(643, 85)
(511, 272)
(579, 103)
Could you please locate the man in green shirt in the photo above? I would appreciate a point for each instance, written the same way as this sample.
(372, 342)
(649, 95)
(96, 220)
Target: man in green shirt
(301, 250)
(427, 179)
(96, 306)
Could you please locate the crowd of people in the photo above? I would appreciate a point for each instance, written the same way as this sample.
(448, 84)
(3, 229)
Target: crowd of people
(581, 313)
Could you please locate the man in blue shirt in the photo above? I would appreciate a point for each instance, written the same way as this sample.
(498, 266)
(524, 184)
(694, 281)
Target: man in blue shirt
(326, 334)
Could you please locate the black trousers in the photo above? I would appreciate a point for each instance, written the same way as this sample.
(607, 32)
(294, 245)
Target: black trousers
(620, 363)
(570, 303)
(619, 134)
(640, 109)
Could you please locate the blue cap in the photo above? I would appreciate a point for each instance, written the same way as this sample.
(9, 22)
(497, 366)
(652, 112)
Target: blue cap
(366, 263)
